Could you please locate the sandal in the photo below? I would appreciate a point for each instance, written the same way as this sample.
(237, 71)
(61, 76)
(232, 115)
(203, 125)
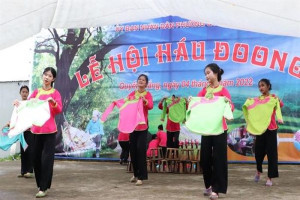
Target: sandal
(20, 176)
(269, 183)
(28, 175)
(139, 182)
(257, 177)
(214, 195)
(133, 179)
(41, 194)
(207, 192)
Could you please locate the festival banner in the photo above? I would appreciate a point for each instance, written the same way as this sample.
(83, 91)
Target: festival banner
(96, 66)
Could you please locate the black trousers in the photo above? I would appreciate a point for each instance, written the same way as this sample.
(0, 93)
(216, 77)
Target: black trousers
(138, 149)
(173, 139)
(44, 159)
(213, 160)
(27, 156)
(266, 144)
(125, 150)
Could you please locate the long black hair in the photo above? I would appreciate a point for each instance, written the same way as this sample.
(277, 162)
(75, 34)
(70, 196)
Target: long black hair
(146, 77)
(216, 70)
(53, 72)
(267, 82)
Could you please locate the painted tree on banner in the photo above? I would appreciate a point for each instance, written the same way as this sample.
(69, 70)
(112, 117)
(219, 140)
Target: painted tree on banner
(70, 50)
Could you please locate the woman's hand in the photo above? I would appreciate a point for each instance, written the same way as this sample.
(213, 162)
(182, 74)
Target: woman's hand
(51, 100)
(131, 98)
(227, 99)
(16, 103)
(162, 100)
(280, 121)
(145, 101)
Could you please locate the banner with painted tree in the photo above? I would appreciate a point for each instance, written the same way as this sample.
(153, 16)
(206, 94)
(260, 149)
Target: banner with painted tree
(96, 66)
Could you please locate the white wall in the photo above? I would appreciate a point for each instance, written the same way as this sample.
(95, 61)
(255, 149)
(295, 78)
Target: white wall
(9, 91)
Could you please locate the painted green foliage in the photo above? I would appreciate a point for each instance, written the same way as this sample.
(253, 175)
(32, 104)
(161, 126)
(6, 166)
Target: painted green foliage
(68, 51)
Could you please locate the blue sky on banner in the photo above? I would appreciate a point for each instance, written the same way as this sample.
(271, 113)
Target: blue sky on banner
(210, 34)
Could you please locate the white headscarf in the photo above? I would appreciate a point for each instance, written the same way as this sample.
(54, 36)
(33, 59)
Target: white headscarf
(97, 114)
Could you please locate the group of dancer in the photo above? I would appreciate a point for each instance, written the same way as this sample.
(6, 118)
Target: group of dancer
(213, 148)
(213, 159)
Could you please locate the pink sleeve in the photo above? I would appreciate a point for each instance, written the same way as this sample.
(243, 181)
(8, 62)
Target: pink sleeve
(281, 103)
(33, 95)
(202, 93)
(160, 105)
(226, 94)
(107, 112)
(131, 95)
(149, 98)
(55, 109)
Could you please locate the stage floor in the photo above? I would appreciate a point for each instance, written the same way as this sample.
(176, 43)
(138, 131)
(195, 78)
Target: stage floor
(78, 180)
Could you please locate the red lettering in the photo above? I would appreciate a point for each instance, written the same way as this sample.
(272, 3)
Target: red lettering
(113, 62)
(95, 71)
(280, 60)
(201, 46)
(133, 59)
(145, 56)
(84, 81)
(221, 51)
(160, 53)
(294, 69)
(181, 51)
(257, 57)
(240, 53)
